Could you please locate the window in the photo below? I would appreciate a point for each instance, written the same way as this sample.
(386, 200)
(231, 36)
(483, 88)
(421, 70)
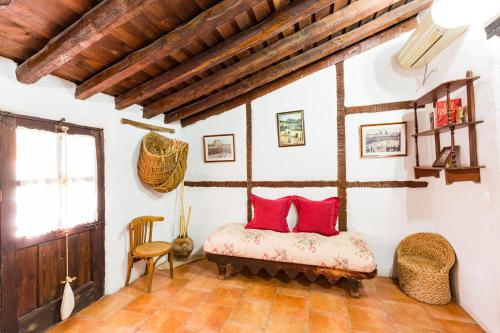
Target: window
(43, 201)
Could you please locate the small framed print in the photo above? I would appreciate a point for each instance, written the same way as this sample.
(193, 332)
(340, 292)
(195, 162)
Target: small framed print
(291, 130)
(445, 157)
(383, 140)
(219, 148)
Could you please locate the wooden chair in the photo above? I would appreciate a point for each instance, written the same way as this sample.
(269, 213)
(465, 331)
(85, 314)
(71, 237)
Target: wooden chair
(142, 247)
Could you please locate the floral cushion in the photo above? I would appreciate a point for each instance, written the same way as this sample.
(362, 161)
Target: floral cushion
(346, 251)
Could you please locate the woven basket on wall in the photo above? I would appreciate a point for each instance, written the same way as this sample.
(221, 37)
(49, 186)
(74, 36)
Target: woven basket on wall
(424, 261)
(162, 162)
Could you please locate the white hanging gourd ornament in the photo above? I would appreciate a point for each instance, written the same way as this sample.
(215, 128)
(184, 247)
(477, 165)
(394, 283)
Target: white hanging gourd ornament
(68, 298)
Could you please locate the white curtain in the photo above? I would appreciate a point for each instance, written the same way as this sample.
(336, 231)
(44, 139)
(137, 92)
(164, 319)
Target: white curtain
(40, 193)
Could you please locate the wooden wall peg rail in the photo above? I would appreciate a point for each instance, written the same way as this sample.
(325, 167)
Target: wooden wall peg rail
(147, 126)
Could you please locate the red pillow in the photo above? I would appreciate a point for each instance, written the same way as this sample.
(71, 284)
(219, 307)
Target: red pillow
(269, 214)
(317, 216)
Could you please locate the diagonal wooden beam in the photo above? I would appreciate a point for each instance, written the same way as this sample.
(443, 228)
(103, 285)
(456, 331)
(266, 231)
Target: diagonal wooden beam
(288, 66)
(277, 51)
(138, 60)
(273, 25)
(328, 61)
(90, 28)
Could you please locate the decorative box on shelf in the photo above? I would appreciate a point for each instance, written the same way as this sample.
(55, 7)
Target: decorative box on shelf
(454, 172)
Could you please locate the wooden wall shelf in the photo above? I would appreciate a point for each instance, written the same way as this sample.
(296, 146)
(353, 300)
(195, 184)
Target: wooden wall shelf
(443, 89)
(453, 173)
(447, 128)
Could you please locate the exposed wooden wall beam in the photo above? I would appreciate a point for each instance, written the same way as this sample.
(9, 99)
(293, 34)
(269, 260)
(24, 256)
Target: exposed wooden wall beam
(382, 107)
(341, 146)
(388, 184)
(249, 138)
(305, 71)
(269, 55)
(273, 25)
(90, 28)
(308, 183)
(288, 66)
(229, 183)
(136, 61)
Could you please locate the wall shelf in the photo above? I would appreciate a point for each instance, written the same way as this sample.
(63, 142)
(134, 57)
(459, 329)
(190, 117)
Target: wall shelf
(452, 175)
(447, 128)
(444, 88)
(453, 172)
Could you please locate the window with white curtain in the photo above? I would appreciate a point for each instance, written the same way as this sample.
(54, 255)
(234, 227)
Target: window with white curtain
(43, 202)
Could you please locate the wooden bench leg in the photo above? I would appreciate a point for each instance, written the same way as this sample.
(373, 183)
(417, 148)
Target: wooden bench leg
(222, 271)
(353, 287)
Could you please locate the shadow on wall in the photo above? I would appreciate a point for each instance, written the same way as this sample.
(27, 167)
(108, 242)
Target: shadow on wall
(386, 62)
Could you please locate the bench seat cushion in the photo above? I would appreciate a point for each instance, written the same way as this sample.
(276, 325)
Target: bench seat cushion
(347, 251)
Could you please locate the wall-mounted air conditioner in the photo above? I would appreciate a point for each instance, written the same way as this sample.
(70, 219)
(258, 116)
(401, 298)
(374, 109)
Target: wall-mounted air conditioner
(426, 42)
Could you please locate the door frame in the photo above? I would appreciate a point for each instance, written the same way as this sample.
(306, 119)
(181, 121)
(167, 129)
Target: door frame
(9, 244)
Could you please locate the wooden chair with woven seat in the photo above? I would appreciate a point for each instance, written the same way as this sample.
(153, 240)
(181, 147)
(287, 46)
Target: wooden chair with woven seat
(142, 247)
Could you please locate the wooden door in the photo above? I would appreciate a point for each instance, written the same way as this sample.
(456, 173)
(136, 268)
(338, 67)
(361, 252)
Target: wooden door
(32, 268)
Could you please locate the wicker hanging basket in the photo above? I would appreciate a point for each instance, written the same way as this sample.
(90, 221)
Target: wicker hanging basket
(162, 162)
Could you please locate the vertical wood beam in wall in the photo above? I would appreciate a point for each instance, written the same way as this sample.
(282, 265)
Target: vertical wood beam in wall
(249, 158)
(341, 168)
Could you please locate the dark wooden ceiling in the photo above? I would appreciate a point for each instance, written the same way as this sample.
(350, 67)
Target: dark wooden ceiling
(137, 56)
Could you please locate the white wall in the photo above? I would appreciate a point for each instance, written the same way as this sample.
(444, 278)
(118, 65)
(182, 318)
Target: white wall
(472, 221)
(370, 211)
(126, 197)
(466, 214)
(315, 161)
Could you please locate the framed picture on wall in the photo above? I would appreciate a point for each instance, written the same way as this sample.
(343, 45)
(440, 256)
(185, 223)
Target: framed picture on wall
(219, 148)
(383, 140)
(291, 130)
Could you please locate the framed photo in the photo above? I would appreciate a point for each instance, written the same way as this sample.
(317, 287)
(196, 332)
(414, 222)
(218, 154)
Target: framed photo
(444, 158)
(291, 130)
(383, 140)
(219, 148)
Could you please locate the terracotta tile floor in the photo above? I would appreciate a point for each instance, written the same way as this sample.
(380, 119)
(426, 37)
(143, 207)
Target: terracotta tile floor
(197, 301)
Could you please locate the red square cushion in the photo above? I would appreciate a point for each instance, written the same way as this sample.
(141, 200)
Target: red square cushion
(269, 214)
(317, 216)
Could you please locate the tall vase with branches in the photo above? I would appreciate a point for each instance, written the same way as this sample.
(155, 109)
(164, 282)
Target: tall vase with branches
(183, 245)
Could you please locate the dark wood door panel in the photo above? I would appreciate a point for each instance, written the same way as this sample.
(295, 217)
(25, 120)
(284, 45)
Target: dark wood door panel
(27, 275)
(40, 284)
(51, 270)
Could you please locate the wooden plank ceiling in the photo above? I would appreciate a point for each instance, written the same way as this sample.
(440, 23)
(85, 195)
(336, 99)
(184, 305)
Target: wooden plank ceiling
(184, 57)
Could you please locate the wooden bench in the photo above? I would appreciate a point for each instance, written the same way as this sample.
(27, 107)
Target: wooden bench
(345, 256)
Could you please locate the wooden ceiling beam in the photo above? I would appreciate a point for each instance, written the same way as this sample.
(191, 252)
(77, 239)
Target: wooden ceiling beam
(269, 55)
(326, 62)
(176, 39)
(90, 28)
(271, 26)
(383, 22)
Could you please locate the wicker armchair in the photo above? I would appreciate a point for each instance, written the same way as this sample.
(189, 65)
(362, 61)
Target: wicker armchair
(424, 261)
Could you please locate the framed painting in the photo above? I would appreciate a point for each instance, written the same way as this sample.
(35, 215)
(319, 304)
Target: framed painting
(219, 148)
(291, 131)
(383, 140)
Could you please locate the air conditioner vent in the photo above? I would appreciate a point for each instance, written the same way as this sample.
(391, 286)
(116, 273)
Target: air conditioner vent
(426, 42)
